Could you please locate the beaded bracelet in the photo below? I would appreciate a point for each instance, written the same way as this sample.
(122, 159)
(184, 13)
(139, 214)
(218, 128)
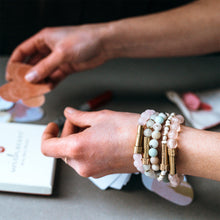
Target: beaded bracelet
(164, 166)
(174, 178)
(147, 141)
(138, 149)
(155, 123)
(149, 150)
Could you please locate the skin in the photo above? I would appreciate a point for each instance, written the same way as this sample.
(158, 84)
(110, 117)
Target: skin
(105, 142)
(92, 152)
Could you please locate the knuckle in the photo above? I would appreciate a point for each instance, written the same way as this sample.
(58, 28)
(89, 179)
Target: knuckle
(84, 172)
(75, 149)
(61, 51)
(44, 150)
(104, 113)
(45, 30)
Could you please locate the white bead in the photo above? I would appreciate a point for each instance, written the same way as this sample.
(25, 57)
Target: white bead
(163, 115)
(150, 123)
(153, 143)
(146, 167)
(160, 178)
(150, 173)
(147, 132)
(164, 142)
(166, 128)
(156, 134)
(157, 127)
(155, 167)
(164, 138)
(168, 123)
(165, 132)
(163, 172)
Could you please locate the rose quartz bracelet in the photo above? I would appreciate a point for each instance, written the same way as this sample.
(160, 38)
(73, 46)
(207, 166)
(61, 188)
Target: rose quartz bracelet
(138, 148)
(174, 178)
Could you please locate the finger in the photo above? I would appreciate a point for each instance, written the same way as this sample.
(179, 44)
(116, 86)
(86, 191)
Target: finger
(36, 58)
(57, 76)
(25, 49)
(68, 129)
(51, 131)
(53, 146)
(79, 118)
(45, 67)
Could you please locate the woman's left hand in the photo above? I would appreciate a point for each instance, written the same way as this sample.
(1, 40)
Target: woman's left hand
(104, 144)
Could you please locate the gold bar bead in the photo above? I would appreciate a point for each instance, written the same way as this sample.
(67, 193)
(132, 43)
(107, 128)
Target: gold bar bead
(146, 158)
(138, 144)
(164, 156)
(172, 153)
(138, 150)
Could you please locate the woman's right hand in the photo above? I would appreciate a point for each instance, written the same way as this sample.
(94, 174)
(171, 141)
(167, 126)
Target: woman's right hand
(56, 52)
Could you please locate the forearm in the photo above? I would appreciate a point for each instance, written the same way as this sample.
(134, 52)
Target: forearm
(199, 153)
(188, 30)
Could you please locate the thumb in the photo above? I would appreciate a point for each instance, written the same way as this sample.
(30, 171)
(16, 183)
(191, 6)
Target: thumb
(79, 118)
(45, 67)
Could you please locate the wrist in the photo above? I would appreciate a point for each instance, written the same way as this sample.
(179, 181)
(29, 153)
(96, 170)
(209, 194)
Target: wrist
(112, 39)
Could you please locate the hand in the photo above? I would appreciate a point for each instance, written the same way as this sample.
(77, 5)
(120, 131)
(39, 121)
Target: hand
(57, 52)
(103, 146)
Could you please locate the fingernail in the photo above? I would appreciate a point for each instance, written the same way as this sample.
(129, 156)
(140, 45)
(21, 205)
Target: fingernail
(69, 110)
(32, 76)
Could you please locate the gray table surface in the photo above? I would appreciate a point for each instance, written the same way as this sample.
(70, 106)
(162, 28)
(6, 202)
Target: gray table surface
(137, 85)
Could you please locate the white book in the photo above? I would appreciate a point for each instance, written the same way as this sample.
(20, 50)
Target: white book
(23, 168)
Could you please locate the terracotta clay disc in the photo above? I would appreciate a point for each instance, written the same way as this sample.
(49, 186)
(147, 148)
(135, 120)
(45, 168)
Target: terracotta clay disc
(35, 101)
(19, 89)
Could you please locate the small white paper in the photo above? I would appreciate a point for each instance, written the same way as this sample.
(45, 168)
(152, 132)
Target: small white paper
(23, 168)
(105, 181)
(121, 181)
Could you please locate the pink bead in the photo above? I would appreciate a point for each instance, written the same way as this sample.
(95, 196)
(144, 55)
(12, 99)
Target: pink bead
(144, 115)
(137, 157)
(181, 118)
(136, 163)
(154, 160)
(171, 143)
(141, 121)
(173, 134)
(175, 126)
(150, 111)
(140, 169)
(175, 120)
(157, 127)
(175, 180)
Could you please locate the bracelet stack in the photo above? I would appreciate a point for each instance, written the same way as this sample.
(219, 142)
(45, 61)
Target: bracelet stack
(156, 146)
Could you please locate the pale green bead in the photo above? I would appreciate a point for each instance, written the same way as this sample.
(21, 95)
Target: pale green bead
(163, 115)
(153, 143)
(153, 152)
(159, 119)
(150, 123)
(147, 132)
(153, 116)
